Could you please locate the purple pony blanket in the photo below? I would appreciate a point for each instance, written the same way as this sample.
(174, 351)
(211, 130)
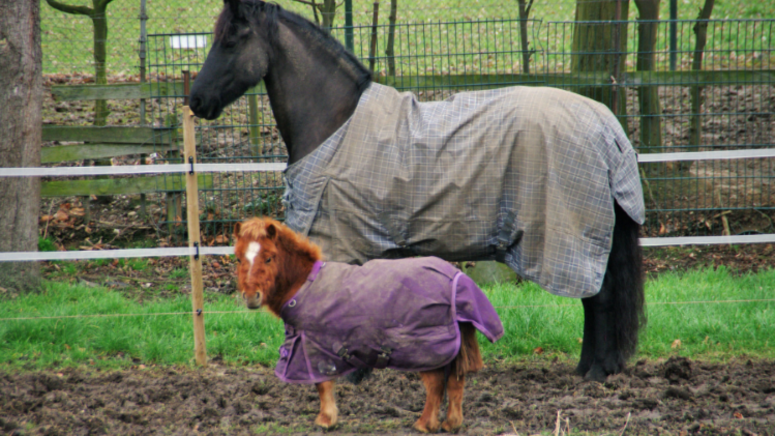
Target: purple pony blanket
(400, 314)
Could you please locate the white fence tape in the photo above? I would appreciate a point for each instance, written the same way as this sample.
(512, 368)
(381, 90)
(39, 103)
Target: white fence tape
(114, 254)
(139, 169)
(707, 155)
(766, 238)
(230, 167)
(225, 251)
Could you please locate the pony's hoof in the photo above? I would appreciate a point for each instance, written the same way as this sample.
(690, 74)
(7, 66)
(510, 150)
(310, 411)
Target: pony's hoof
(426, 427)
(450, 426)
(325, 421)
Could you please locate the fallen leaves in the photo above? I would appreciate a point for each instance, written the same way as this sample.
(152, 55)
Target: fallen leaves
(676, 344)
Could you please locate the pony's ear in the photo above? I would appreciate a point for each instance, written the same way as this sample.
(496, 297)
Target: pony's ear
(271, 231)
(237, 228)
(234, 6)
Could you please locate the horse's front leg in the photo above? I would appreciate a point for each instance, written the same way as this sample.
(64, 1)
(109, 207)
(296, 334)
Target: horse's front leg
(434, 394)
(588, 341)
(328, 415)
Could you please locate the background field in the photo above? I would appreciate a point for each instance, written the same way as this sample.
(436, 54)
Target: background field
(67, 41)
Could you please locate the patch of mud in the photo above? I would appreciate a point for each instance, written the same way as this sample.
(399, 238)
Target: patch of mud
(677, 396)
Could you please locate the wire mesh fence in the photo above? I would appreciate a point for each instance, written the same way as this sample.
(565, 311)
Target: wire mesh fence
(437, 50)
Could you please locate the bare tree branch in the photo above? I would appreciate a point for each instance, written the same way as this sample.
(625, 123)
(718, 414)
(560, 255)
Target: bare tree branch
(70, 9)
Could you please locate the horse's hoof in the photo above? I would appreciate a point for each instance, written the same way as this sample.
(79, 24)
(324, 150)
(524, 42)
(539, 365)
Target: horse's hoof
(596, 373)
(325, 421)
(426, 427)
(583, 368)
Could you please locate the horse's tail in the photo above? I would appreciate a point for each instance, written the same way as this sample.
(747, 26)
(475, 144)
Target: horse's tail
(469, 359)
(625, 274)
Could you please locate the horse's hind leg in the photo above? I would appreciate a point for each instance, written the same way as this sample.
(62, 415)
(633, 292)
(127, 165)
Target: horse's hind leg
(613, 317)
(328, 415)
(434, 394)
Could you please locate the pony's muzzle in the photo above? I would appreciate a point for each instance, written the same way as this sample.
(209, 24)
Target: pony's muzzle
(253, 301)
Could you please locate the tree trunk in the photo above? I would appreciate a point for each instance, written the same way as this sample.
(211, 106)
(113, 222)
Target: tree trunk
(648, 96)
(524, 14)
(100, 22)
(600, 47)
(328, 12)
(21, 87)
(389, 49)
(700, 31)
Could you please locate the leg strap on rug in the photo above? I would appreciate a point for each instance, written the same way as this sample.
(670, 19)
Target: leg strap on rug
(507, 237)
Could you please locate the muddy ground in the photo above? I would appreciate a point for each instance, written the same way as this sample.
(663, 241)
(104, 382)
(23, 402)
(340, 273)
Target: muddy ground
(673, 397)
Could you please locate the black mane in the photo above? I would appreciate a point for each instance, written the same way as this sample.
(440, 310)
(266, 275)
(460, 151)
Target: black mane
(273, 14)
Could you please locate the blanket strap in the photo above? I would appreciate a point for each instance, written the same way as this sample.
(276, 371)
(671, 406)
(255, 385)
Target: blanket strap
(384, 218)
(505, 238)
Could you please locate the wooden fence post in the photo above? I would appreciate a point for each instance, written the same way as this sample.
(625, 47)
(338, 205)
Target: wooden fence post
(192, 211)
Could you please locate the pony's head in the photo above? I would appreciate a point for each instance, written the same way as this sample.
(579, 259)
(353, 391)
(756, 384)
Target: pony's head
(239, 57)
(274, 262)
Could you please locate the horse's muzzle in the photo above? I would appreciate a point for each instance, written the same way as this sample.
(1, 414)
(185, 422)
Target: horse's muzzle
(208, 109)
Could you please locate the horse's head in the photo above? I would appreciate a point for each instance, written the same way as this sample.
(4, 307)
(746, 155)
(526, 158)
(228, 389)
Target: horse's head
(238, 59)
(257, 252)
(273, 262)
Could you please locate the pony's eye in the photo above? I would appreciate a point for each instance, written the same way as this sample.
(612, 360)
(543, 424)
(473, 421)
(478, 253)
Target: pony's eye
(268, 259)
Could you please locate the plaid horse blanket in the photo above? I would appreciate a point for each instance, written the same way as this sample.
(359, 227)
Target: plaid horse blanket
(522, 174)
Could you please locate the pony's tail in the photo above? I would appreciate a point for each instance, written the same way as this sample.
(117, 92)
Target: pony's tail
(469, 359)
(625, 271)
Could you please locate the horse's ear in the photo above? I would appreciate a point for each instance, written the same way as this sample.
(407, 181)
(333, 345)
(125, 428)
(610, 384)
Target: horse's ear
(234, 6)
(271, 231)
(237, 228)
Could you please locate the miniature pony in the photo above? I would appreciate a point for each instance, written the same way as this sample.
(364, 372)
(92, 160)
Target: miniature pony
(417, 314)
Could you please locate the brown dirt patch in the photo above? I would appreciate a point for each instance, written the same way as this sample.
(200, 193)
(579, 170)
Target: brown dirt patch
(676, 397)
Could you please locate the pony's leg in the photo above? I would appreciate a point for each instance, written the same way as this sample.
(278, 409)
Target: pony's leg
(613, 317)
(328, 415)
(455, 386)
(434, 394)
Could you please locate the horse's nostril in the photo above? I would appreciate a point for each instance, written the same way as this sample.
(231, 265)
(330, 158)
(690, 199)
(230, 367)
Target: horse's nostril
(194, 102)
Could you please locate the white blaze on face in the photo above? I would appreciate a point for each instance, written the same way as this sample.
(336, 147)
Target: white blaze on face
(252, 252)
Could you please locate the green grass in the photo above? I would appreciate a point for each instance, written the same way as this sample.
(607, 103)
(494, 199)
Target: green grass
(532, 318)
(708, 330)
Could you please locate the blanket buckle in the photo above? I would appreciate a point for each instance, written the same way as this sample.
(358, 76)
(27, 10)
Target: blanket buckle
(383, 358)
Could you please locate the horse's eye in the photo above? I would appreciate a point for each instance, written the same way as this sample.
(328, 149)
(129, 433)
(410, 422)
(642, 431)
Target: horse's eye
(244, 32)
(268, 259)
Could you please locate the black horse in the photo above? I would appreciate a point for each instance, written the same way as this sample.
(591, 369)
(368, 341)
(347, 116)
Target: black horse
(314, 86)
